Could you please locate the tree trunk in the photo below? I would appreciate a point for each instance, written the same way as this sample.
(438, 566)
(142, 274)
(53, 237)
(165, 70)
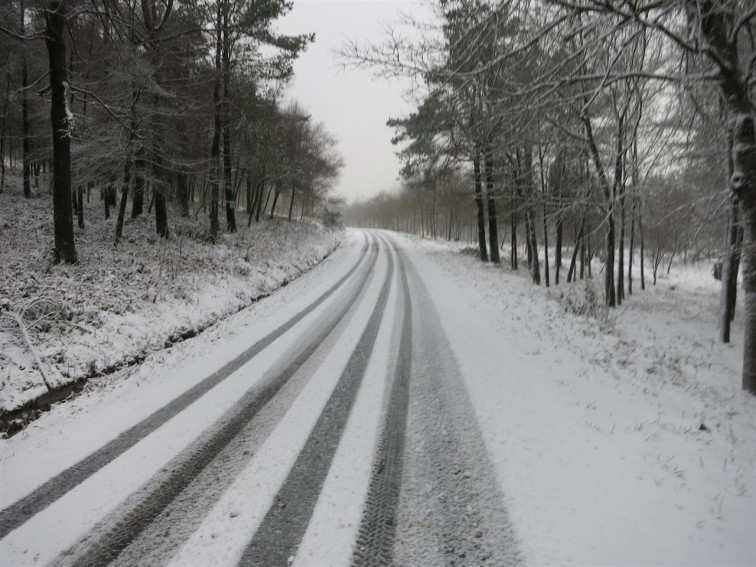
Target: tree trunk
(571, 271)
(642, 249)
(109, 195)
(573, 261)
(558, 250)
(3, 126)
(182, 192)
(545, 247)
(159, 185)
(621, 250)
(80, 205)
(217, 123)
(260, 190)
(267, 199)
(528, 249)
(161, 211)
(252, 195)
(124, 196)
(275, 201)
(527, 192)
(730, 270)
(631, 252)
(493, 233)
(291, 203)
(584, 258)
(26, 134)
(715, 28)
(513, 252)
(65, 249)
(227, 186)
(609, 192)
(106, 202)
(479, 205)
(137, 202)
(535, 269)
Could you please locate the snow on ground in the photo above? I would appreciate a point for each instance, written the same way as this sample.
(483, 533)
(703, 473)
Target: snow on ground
(114, 403)
(621, 438)
(121, 303)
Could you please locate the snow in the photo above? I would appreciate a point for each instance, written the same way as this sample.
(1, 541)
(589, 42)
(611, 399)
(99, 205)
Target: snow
(617, 438)
(120, 304)
(622, 440)
(335, 522)
(228, 527)
(57, 440)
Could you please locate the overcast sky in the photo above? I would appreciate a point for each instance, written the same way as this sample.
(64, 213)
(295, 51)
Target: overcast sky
(353, 105)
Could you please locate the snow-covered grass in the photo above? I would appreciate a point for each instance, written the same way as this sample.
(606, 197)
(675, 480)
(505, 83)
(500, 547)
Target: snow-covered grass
(122, 302)
(620, 438)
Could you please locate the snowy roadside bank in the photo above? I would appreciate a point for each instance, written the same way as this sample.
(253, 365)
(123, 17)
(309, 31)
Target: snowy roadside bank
(618, 440)
(122, 303)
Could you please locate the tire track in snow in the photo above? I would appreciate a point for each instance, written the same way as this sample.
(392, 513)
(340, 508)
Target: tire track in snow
(451, 510)
(103, 548)
(53, 489)
(375, 542)
(283, 527)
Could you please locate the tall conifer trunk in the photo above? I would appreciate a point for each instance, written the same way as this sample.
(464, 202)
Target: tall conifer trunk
(227, 186)
(479, 205)
(493, 231)
(215, 149)
(25, 130)
(65, 249)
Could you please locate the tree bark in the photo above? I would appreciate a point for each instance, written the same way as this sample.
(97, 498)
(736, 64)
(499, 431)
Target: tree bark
(631, 251)
(493, 231)
(65, 249)
(731, 263)
(25, 129)
(161, 211)
(715, 22)
(609, 191)
(291, 203)
(267, 199)
(532, 235)
(227, 185)
(513, 251)
(621, 247)
(260, 191)
(80, 205)
(558, 251)
(545, 247)
(3, 126)
(479, 204)
(215, 148)
(642, 250)
(137, 202)
(182, 192)
(275, 201)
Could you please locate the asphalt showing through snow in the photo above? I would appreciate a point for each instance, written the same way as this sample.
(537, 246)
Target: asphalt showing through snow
(431, 497)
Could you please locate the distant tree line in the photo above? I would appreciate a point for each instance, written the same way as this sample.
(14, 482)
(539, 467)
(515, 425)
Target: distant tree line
(154, 103)
(616, 127)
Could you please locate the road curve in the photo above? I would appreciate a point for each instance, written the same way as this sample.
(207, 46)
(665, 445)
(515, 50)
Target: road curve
(344, 437)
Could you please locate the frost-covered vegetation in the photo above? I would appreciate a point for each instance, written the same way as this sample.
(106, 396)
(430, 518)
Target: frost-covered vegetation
(61, 323)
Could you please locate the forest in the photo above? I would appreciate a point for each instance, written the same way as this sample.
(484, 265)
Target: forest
(614, 130)
(168, 106)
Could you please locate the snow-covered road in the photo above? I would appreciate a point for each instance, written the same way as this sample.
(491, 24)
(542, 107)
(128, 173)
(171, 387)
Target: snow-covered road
(326, 425)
